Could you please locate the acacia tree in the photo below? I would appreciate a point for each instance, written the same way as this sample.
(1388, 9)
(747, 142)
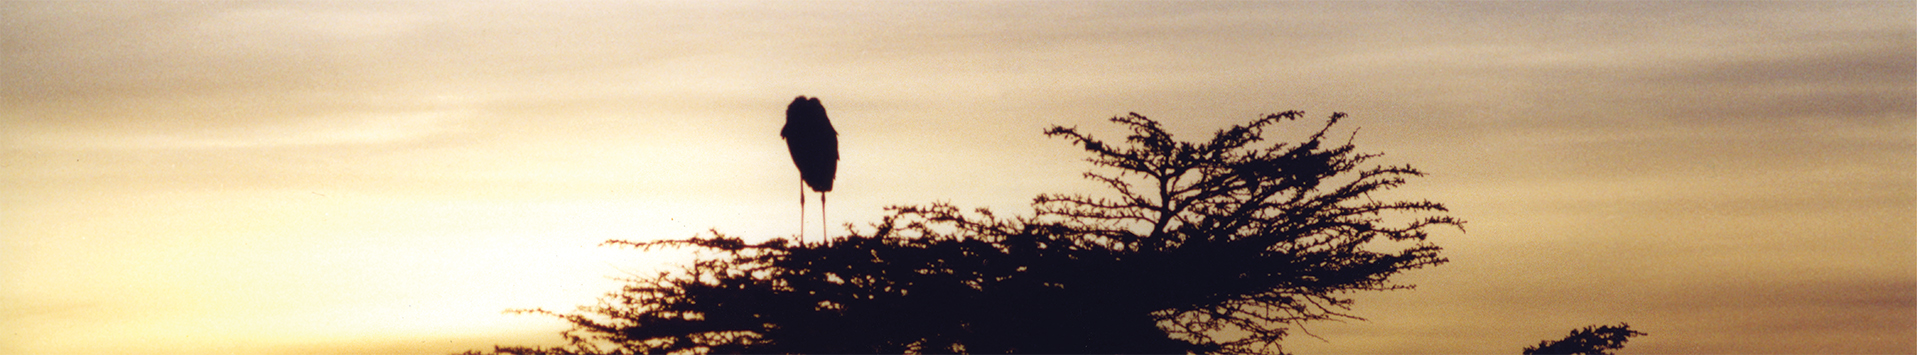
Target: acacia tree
(1217, 246)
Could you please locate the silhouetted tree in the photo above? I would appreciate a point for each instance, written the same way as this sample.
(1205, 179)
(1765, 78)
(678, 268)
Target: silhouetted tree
(1592, 340)
(1206, 247)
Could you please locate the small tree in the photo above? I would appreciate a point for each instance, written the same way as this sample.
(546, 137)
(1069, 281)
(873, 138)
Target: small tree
(1206, 247)
(1592, 340)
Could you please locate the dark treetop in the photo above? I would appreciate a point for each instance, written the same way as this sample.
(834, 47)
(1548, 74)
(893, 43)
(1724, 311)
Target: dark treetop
(1216, 246)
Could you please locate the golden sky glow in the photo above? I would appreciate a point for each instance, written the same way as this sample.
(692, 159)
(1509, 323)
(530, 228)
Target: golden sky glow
(387, 177)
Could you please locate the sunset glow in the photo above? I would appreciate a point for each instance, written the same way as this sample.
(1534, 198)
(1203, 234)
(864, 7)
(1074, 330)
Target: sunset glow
(389, 177)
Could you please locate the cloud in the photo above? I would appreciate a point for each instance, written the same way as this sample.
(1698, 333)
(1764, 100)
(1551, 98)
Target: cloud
(185, 49)
(334, 129)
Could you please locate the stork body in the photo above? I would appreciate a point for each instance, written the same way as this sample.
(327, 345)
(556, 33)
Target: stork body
(815, 147)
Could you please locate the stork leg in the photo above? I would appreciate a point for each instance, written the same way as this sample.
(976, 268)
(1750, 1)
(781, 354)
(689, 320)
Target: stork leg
(823, 219)
(802, 239)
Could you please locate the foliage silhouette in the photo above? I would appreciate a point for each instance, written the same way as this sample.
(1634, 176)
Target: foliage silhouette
(1207, 247)
(1592, 340)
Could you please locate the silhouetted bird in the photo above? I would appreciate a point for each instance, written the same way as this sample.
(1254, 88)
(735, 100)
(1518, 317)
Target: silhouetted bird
(815, 147)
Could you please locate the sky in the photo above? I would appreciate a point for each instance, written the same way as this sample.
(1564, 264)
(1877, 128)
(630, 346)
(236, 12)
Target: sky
(389, 177)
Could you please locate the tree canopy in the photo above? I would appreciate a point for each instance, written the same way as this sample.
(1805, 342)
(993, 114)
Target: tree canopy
(1215, 246)
(1592, 340)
